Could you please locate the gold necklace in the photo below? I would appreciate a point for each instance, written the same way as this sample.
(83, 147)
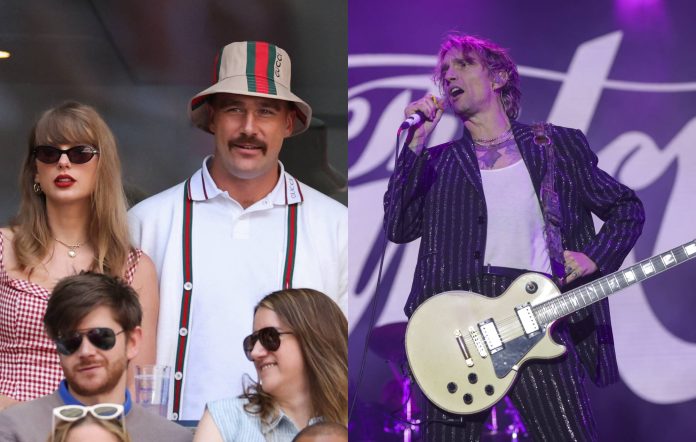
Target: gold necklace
(72, 249)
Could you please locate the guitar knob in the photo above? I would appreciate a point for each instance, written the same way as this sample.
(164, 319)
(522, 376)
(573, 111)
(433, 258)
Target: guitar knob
(452, 387)
(468, 399)
(531, 287)
(489, 390)
(473, 378)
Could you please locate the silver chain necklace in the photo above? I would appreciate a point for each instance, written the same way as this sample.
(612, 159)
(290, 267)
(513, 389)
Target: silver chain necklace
(493, 141)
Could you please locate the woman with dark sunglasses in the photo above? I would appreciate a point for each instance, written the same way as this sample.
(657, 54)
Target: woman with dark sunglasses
(299, 347)
(72, 217)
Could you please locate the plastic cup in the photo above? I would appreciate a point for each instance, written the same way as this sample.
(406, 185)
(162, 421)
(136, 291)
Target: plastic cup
(152, 387)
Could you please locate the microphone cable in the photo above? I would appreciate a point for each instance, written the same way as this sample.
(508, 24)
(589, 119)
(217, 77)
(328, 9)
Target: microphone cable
(373, 303)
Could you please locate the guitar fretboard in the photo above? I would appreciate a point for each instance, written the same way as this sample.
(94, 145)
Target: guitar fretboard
(601, 288)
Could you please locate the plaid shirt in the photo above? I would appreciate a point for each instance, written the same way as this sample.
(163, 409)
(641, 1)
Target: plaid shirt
(29, 364)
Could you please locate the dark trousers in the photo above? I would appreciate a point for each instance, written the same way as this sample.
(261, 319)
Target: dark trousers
(549, 395)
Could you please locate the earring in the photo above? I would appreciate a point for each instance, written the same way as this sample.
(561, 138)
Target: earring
(37, 188)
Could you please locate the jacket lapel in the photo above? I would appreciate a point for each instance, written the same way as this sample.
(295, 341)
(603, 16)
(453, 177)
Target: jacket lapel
(463, 151)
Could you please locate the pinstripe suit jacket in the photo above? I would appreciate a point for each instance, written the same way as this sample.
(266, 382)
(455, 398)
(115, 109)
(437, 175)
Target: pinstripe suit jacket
(438, 197)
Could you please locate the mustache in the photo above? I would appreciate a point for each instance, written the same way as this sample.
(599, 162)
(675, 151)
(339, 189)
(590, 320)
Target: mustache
(243, 139)
(88, 362)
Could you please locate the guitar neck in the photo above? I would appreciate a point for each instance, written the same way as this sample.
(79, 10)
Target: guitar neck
(601, 288)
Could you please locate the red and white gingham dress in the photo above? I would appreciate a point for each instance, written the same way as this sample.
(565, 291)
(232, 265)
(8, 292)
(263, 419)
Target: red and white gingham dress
(29, 364)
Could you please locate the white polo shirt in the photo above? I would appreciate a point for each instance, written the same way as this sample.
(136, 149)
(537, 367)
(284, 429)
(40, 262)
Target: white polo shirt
(238, 258)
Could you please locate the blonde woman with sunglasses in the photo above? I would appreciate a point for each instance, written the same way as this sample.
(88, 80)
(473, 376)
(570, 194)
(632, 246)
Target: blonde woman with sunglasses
(299, 347)
(78, 423)
(72, 217)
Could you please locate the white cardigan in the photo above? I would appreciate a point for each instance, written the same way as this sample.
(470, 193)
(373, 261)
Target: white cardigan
(238, 258)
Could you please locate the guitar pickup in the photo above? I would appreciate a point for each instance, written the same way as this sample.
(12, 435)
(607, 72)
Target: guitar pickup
(490, 335)
(527, 319)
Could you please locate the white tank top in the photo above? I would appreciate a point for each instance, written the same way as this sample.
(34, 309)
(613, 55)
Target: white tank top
(515, 234)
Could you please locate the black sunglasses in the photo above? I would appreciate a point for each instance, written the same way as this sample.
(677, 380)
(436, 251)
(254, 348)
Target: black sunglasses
(269, 337)
(76, 154)
(101, 337)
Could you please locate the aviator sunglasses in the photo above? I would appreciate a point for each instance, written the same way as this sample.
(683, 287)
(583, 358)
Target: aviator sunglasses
(269, 337)
(72, 413)
(76, 154)
(101, 337)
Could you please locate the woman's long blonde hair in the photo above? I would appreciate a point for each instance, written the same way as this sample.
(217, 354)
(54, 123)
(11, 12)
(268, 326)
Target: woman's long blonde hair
(70, 123)
(322, 331)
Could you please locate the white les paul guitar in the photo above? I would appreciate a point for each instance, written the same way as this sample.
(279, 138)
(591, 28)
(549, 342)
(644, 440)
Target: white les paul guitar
(465, 349)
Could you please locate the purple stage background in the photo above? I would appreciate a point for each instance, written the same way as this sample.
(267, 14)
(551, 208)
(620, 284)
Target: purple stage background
(622, 71)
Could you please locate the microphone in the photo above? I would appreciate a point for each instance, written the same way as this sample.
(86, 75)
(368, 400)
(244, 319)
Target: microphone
(413, 120)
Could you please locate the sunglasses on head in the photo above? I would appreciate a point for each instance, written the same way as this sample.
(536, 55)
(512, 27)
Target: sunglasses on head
(76, 154)
(101, 337)
(269, 337)
(72, 413)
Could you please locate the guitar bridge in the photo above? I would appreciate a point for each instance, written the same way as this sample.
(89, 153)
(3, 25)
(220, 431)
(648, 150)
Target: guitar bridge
(478, 342)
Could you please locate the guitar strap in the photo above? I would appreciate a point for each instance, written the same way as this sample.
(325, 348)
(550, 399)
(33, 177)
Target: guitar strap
(550, 204)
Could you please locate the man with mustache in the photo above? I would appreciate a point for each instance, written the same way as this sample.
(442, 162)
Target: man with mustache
(239, 228)
(94, 319)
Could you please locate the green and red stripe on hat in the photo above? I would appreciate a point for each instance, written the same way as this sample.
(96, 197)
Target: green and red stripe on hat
(252, 68)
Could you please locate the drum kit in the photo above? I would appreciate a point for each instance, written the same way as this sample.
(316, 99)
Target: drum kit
(398, 414)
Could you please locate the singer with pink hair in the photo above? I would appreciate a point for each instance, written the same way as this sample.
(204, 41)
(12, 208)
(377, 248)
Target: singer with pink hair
(477, 205)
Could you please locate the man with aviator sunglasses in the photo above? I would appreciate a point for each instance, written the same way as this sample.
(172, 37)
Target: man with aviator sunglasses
(94, 320)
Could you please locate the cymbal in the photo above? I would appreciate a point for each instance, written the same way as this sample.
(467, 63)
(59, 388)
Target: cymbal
(387, 341)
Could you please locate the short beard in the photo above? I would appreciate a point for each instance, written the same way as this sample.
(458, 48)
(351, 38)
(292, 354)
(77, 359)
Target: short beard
(114, 374)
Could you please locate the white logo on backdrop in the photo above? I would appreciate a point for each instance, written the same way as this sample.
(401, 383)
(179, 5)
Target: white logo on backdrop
(644, 346)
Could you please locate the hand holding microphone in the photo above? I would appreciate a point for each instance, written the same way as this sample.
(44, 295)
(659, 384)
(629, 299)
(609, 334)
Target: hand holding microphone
(421, 117)
(413, 120)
